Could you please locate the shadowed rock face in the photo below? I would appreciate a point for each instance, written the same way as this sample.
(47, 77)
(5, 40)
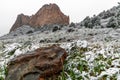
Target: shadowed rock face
(21, 20)
(41, 63)
(47, 15)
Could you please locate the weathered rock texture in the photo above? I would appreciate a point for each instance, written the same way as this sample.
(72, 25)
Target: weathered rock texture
(21, 20)
(40, 64)
(47, 15)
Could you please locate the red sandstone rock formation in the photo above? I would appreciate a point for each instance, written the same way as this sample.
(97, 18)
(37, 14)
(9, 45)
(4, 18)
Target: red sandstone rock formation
(38, 65)
(48, 14)
(21, 20)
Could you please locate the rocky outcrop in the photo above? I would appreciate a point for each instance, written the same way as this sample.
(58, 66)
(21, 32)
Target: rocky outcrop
(47, 15)
(20, 21)
(37, 65)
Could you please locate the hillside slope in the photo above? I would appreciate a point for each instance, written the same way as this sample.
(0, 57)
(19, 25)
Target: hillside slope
(92, 54)
(106, 19)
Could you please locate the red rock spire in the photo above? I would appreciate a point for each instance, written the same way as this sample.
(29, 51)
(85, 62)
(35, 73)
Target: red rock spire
(48, 14)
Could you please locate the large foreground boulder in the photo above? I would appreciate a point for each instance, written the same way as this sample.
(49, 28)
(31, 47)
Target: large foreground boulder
(39, 64)
(47, 15)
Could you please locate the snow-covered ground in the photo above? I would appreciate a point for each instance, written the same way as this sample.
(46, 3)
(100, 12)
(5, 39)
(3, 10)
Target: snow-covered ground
(92, 35)
(96, 55)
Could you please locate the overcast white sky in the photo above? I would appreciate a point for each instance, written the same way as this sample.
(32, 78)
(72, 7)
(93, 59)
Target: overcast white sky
(76, 9)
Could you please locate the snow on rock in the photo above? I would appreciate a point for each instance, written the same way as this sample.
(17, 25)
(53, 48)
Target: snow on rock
(83, 44)
(11, 47)
(18, 52)
(89, 56)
